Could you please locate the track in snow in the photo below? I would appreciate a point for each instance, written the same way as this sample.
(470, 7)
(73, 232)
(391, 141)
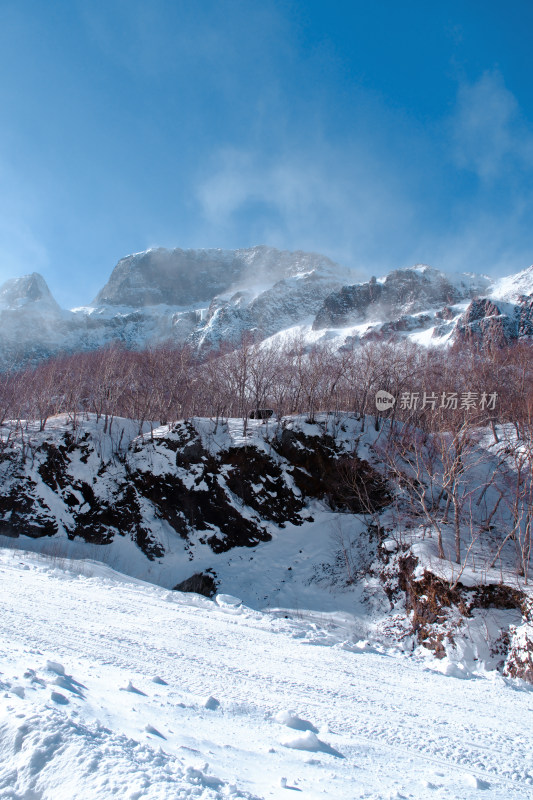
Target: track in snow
(387, 725)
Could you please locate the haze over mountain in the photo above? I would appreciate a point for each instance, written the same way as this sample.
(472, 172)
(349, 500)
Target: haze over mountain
(181, 277)
(210, 298)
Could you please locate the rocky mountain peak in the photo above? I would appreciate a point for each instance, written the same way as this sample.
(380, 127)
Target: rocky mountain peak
(403, 291)
(186, 277)
(27, 291)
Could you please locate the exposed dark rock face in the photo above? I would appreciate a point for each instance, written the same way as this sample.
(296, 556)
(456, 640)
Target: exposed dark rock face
(319, 470)
(349, 304)
(181, 277)
(172, 484)
(276, 501)
(205, 510)
(404, 291)
(200, 583)
(20, 515)
(496, 322)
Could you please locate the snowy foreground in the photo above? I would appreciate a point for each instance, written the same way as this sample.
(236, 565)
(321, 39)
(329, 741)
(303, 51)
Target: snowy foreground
(111, 687)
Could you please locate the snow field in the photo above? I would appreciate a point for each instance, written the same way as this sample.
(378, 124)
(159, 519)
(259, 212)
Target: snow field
(111, 688)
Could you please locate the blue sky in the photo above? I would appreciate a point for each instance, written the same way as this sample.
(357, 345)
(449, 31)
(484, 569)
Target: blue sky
(379, 133)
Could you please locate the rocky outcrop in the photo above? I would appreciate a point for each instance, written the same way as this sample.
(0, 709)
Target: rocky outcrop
(351, 304)
(422, 298)
(199, 583)
(88, 486)
(488, 321)
(442, 617)
(184, 277)
(403, 291)
(525, 315)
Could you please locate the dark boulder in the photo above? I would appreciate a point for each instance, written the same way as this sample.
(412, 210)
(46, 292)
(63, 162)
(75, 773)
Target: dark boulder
(200, 583)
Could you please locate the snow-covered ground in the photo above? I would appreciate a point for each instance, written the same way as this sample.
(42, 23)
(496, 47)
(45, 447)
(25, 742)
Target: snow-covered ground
(111, 687)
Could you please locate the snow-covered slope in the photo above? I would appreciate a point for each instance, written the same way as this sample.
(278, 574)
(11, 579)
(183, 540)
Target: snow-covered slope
(512, 287)
(114, 688)
(340, 655)
(179, 500)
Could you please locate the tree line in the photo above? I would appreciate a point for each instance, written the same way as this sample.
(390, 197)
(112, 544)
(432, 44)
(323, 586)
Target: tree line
(434, 389)
(446, 401)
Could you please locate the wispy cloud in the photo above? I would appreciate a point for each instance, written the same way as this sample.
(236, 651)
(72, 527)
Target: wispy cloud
(335, 200)
(363, 205)
(490, 222)
(179, 38)
(489, 135)
(229, 127)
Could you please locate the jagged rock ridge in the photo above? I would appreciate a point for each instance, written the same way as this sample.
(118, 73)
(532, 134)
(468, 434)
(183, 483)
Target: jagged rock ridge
(184, 277)
(432, 308)
(403, 291)
(497, 322)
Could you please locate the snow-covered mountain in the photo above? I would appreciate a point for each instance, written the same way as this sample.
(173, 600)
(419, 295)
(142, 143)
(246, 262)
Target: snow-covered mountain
(29, 293)
(32, 325)
(186, 278)
(210, 298)
(512, 287)
(402, 292)
(430, 307)
(203, 297)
